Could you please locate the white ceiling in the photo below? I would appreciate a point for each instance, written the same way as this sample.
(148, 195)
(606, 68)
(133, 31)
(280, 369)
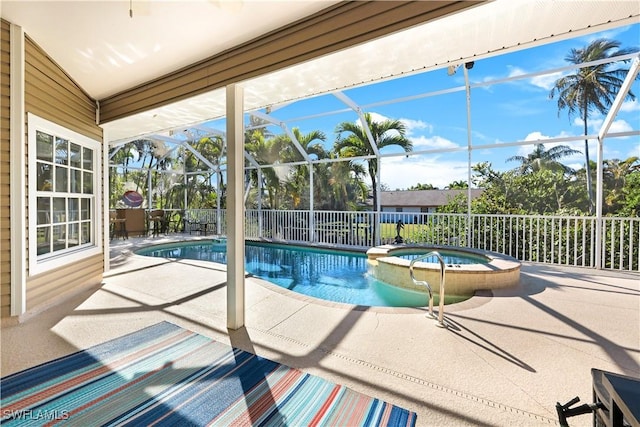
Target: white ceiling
(106, 51)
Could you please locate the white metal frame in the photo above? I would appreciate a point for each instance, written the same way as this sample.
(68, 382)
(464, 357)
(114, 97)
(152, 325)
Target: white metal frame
(469, 148)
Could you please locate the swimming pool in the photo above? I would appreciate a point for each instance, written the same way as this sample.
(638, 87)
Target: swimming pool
(338, 276)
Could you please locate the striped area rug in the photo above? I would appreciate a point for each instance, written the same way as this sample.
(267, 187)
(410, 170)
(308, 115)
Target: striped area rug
(166, 375)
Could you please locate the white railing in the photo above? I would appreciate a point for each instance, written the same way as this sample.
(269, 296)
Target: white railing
(561, 240)
(203, 220)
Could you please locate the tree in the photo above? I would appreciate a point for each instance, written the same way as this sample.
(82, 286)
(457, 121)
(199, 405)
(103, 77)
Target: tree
(297, 184)
(591, 88)
(267, 152)
(211, 148)
(616, 175)
(496, 197)
(420, 186)
(457, 185)
(542, 159)
(631, 190)
(356, 143)
(544, 191)
(338, 185)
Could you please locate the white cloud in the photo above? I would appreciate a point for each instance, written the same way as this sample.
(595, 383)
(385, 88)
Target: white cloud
(535, 136)
(377, 117)
(630, 106)
(515, 71)
(414, 125)
(596, 123)
(634, 152)
(545, 81)
(576, 166)
(402, 172)
(433, 142)
(577, 121)
(524, 150)
(411, 125)
(620, 126)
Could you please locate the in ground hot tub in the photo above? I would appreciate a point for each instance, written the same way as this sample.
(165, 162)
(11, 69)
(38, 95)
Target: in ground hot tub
(467, 270)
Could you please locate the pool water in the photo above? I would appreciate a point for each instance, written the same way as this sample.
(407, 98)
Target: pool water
(338, 276)
(449, 258)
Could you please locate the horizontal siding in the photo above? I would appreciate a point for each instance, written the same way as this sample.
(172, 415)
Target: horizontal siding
(52, 95)
(5, 174)
(335, 28)
(47, 289)
(66, 110)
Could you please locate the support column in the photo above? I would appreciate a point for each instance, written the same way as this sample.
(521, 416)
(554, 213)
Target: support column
(311, 237)
(18, 175)
(106, 191)
(235, 208)
(184, 196)
(469, 148)
(149, 191)
(260, 228)
(218, 201)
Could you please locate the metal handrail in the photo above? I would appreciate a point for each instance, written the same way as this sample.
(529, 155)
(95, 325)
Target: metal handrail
(424, 283)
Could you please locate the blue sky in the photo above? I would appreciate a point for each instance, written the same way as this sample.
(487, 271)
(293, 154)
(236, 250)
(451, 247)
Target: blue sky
(518, 110)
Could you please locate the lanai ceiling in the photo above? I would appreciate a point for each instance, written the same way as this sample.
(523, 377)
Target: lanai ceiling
(108, 47)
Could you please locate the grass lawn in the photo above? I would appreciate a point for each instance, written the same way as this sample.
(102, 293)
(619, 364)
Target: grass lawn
(410, 231)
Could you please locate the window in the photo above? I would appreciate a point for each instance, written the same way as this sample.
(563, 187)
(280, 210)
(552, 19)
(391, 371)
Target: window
(64, 209)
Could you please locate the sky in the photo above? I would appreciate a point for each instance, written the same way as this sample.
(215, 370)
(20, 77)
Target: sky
(501, 113)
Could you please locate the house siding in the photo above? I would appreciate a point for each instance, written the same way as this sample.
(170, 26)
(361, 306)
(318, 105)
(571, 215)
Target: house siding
(51, 94)
(47, 289)
(5, 174)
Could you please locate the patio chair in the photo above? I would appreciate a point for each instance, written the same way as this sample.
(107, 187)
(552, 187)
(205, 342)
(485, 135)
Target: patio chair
(118, 226)
(192, 224)
(157, 217)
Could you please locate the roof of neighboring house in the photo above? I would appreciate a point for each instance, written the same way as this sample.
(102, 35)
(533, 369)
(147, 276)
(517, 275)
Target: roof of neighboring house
(423, 198)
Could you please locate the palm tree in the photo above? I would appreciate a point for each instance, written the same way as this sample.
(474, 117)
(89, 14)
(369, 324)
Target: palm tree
(211, 148)
(420, 186)
(312, 143)
(615, 175)
(591, 88)
(356, 143)
(267, 152)
(542, 159)
(340, 185)
(457, 185)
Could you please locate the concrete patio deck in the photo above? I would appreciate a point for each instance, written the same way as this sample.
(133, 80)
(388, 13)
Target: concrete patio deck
(506, 358)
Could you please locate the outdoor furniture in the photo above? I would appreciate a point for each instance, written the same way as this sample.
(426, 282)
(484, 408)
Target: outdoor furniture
(617, 398)
(157, 218)
(118, 226)
(201, 225)
(206, 227)
(136, 220)
(191, 224)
